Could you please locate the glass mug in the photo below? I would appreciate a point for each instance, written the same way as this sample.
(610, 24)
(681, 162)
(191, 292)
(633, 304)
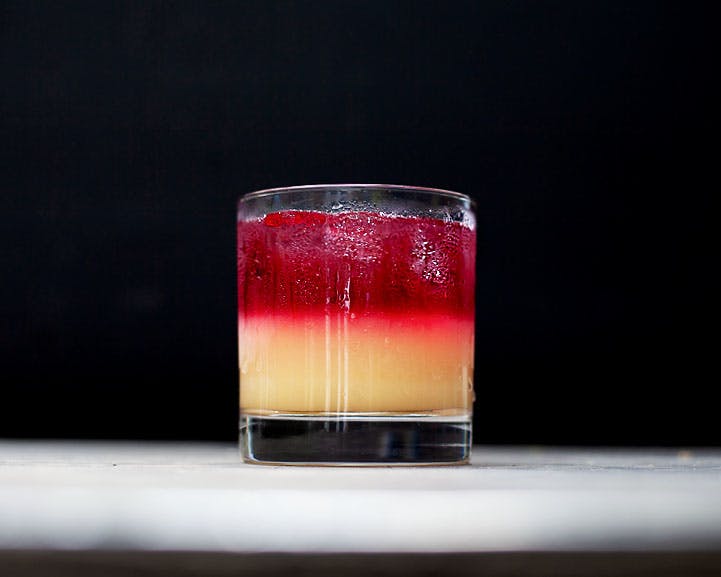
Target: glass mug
(356, 325)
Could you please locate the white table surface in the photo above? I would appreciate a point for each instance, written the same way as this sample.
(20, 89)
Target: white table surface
(199, 497)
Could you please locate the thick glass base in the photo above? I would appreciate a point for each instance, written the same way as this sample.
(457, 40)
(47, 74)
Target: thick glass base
(354, 440)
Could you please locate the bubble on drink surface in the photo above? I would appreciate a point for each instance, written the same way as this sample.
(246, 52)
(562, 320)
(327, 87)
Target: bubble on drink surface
(350, 205)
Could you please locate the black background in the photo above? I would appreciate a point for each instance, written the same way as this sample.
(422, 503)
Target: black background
(588, 133)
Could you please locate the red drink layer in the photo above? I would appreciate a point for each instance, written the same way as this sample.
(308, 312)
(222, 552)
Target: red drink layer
(297, 262)
(355, 312)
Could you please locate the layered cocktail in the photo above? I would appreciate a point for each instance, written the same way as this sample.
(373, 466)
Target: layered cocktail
(356, 308)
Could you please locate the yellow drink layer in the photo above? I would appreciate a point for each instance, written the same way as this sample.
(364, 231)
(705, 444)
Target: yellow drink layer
(341, 364)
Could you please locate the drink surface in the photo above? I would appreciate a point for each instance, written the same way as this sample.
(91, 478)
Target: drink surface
(355, 312)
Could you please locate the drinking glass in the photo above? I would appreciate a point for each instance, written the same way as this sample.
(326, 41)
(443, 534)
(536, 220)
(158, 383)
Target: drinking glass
(356, 325)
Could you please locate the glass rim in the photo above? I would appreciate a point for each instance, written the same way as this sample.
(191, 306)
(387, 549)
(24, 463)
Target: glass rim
(375, 186)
